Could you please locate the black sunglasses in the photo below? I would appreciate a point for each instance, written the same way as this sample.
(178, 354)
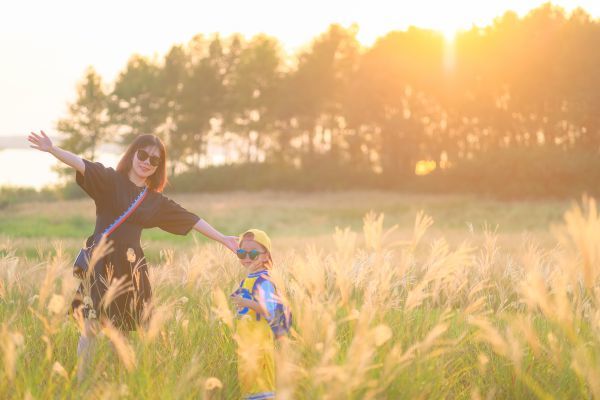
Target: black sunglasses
(253, 254)
(142, 155)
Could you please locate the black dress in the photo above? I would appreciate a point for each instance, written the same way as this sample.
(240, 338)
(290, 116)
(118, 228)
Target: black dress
(113, 193)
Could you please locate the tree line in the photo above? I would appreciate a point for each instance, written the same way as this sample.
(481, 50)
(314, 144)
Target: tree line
(515, 101)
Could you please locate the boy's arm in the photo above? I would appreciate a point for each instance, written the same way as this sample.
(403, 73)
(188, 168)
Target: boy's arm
(254, 305)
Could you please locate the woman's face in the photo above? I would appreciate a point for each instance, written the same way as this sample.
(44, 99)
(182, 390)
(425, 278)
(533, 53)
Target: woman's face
(143, 160)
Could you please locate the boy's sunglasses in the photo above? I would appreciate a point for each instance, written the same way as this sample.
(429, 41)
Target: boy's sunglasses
(253, 254)
(142, 155)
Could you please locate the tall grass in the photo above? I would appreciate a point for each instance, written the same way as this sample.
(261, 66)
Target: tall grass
(377, 315)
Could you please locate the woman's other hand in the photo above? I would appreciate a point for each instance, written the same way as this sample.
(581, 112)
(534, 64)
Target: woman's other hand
(40, 142)
(231, 242)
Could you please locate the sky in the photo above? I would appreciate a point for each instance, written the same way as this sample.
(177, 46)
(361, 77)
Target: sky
(45, 46)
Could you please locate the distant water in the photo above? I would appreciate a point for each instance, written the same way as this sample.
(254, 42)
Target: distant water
(32, 168)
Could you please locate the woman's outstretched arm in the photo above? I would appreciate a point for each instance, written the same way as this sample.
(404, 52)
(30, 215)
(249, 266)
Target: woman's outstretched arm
(231, 242)
(43, 143)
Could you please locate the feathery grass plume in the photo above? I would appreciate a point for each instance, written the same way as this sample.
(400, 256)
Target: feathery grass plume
(52, 272)
(190, 378)
(100, 250)
(401, 360)
(510, 348)
(554, 305)
(58, 369)
(579, 236)
(103, 248)
(343, 379)
(373, 230)
(9, 272)
(11, 344)
(556, 349)
(326, 371)
(432, 339)
(476, 300)
(585, 364)
(222, 308)
(109, 391)
(422, 223)
(115, 288)
(212, 387)
(312, 273)
(375, 273)
(483, 361)
(340, 263)
(313, 319)
(379, 293)
(167, 257)
(124, 350)
(49, 347)
(47, 323)
(476, 394)
(381, 334)
(375, 236)
(523, 324)
(440, 270)
(157, 319)
(389, 371)
(289, 370)
(488, 255)
(207, 265)
(487, 333)
(57, 304)
(449, 272)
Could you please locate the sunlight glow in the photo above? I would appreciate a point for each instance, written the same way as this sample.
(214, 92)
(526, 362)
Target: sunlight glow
(425, 167)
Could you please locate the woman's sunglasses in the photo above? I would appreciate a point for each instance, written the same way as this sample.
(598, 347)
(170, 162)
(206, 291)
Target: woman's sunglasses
(253, 254)
(142, 155)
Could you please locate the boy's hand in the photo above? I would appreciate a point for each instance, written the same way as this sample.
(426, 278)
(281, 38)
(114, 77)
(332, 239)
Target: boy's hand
(241, 302)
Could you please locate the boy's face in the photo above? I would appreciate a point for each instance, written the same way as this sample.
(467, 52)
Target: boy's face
(258, 263)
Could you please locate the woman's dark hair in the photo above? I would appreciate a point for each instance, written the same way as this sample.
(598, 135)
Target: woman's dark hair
(158, 179)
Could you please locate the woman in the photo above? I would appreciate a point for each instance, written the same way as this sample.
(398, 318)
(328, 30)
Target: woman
(142, 166)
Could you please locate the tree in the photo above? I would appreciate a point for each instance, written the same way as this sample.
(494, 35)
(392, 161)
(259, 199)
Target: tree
(251, 94)
(137, 102)
(202, 95)
(314, 90)
(87, 125)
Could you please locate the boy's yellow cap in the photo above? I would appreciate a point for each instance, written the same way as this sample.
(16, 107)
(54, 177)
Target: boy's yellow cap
(260, 237)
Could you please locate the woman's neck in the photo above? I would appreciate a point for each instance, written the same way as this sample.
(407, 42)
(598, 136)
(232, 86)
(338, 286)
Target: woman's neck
(136, 179)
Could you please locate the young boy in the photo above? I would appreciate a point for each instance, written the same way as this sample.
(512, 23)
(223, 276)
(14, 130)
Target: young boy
(261, 318)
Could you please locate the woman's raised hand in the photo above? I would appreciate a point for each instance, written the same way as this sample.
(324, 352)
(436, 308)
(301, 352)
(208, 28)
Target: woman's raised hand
(231, 242)
(40, 142)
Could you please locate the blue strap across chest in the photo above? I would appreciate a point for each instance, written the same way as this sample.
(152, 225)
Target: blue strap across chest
(111, 228)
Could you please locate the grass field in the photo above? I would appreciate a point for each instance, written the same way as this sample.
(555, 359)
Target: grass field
(473, 298)
(290, 217)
